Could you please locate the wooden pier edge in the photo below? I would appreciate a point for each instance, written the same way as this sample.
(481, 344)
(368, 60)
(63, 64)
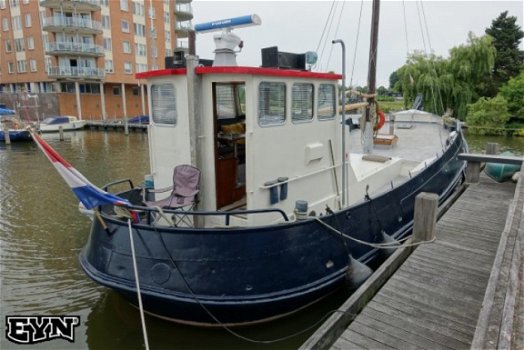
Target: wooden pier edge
(335, 325)
(494, 329)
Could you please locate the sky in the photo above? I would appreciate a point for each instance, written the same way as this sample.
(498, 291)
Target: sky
(297, 26)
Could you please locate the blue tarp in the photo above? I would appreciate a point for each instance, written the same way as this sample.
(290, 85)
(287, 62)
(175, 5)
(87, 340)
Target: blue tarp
(55, 120)
(6, 111)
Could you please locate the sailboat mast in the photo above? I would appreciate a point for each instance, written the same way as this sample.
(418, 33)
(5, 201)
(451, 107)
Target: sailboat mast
(372, 79)
(372, 70)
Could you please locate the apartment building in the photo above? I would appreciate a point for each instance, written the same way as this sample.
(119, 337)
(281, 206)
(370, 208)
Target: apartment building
(85, 53)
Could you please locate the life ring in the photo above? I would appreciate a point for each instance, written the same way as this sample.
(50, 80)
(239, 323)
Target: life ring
(380, 122)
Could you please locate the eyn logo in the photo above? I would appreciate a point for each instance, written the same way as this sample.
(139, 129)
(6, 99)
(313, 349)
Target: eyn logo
(36, 329)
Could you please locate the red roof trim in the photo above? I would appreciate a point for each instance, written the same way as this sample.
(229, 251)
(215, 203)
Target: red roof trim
(272, 72)
(160, 72)
(267, 72)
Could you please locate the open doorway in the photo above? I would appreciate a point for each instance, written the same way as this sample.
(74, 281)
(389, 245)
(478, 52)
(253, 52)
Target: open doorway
(229, 103)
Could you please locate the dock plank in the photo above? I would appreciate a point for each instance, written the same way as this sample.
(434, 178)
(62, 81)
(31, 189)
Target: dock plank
(433, 300)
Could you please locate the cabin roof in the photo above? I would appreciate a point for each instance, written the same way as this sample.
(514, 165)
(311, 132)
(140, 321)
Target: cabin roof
(284, 73)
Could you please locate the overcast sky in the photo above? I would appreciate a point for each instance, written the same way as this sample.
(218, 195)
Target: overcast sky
(297, 26)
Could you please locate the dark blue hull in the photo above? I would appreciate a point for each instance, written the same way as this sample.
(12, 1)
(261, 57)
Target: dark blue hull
(16, 135)
(246, 275)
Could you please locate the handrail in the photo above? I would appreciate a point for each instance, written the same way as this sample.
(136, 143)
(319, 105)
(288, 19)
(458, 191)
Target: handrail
(227, 214)
(116, 182)
(481, 158)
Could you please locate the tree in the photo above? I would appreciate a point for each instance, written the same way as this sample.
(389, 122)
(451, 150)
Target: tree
(509, 60)
(513, 92)
(382, 91)
(447, 83)
(487, 114)
(393, 79)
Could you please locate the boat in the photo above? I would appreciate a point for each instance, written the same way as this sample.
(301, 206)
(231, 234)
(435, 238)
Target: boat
(13, 125)
(283, 210)
(66, 123)
(501, 172)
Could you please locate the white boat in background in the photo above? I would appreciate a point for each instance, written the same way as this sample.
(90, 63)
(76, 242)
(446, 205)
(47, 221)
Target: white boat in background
(67, 122)
(417, 116)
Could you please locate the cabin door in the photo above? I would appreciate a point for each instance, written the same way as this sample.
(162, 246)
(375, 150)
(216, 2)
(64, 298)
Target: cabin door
(230, 150)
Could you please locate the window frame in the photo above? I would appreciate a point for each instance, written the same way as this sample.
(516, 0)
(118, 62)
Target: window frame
(309, 118)
(260, 117)
(319, 101)
(171, 100)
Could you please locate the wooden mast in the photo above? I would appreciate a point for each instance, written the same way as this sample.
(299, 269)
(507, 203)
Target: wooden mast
(372, 78)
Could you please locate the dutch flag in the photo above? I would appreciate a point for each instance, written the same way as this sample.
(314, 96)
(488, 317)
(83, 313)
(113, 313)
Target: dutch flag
(90, 195)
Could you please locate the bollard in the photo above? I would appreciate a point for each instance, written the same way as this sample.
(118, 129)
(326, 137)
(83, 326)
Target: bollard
(492, 148)
(61, 132)
(425, 217)
(391, 124)
(7, 137)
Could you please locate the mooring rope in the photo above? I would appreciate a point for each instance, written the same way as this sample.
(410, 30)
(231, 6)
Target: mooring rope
(227, 328)
(374, 245)
(139, 295)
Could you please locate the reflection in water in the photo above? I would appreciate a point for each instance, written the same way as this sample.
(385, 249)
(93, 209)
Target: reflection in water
(42, 232)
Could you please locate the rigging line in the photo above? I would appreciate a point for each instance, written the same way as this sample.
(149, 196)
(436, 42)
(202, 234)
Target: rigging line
(327, 35)
(356, 44)
(336, 31)
(137, 283)
(228, 329)
(421, 29)
(437, 95)
(324, 31)
(405, 28)
(431, 50)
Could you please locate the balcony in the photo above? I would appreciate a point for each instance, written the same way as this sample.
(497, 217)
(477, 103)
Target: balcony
(76, 73)
(73, 24)
(69, 48)
(71, 5)
(183, 12)
(182, 29)
(181, 45)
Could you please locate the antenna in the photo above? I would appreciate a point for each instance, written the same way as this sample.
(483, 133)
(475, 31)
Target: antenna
(226, 42)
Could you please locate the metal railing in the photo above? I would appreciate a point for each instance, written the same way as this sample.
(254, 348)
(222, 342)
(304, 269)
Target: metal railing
(186, 8)
(185, 25)
(74, 47)
(77, 22)
(76, 72)
(71, 2)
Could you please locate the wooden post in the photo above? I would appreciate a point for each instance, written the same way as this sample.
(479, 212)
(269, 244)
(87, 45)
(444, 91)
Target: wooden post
(473, 172)
(492, 148)
(7, 137)
(425, 217)
(61, 132)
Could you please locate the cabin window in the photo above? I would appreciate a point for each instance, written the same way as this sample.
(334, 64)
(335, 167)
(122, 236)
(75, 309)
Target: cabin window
(271, 103)
(230, 100)
(302, 102)
(326, 101)
(163, 104)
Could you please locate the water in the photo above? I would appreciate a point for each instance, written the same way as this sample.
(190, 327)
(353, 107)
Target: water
(42, 233)
(514, 144)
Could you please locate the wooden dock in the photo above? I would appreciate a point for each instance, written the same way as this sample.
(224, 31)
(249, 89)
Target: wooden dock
(462, 291)
(115, 124)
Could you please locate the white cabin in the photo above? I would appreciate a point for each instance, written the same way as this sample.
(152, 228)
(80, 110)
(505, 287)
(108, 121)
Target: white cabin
(255, 126)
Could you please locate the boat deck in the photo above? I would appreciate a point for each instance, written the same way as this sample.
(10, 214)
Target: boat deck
(418, 143)
(450, 294)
